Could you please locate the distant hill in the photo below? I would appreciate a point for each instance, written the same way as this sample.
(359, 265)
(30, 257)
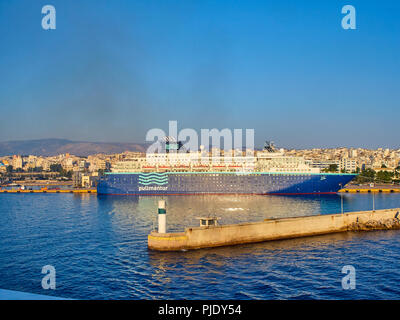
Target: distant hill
(51, 147)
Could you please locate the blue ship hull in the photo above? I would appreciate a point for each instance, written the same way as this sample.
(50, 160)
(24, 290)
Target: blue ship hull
(221, 183)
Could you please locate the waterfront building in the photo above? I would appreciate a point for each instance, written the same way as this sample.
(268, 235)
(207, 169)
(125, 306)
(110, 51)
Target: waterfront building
(349, 165)
(17, 162)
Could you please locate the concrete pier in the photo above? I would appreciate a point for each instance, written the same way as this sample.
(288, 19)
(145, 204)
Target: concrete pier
(93, 191)
(370, 190)
(285, 228)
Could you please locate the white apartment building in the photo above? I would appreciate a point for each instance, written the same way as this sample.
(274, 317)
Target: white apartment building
(350, 165)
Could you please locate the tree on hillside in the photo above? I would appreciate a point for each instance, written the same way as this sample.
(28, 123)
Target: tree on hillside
(331, 168)
(56, 167)
(66, 173)
(384, 176)
(367, 175)
(396, 171)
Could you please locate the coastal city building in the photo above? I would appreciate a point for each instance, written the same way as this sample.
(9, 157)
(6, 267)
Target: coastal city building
(84, 171)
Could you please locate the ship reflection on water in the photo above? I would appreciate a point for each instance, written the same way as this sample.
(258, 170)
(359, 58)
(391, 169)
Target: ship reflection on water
(183, 210)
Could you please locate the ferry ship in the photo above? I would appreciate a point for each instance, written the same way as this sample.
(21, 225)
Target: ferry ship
(182, 173)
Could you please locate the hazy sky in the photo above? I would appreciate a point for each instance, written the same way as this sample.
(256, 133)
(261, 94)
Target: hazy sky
(114, 69)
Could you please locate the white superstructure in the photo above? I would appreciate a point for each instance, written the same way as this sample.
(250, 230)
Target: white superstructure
(262, 161)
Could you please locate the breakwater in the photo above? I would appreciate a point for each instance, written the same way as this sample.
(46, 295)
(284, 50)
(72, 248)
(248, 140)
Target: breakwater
(274, 229)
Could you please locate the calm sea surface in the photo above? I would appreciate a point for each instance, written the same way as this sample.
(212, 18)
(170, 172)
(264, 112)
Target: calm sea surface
(98, 246)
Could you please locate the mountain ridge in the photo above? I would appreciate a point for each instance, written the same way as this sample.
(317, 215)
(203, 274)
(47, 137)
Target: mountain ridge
(54, 146)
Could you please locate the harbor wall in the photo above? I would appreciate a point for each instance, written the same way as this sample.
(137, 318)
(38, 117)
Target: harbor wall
(286, 228)
(93, 191)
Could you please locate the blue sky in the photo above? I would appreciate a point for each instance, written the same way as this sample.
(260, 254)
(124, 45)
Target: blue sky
(114, 69)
